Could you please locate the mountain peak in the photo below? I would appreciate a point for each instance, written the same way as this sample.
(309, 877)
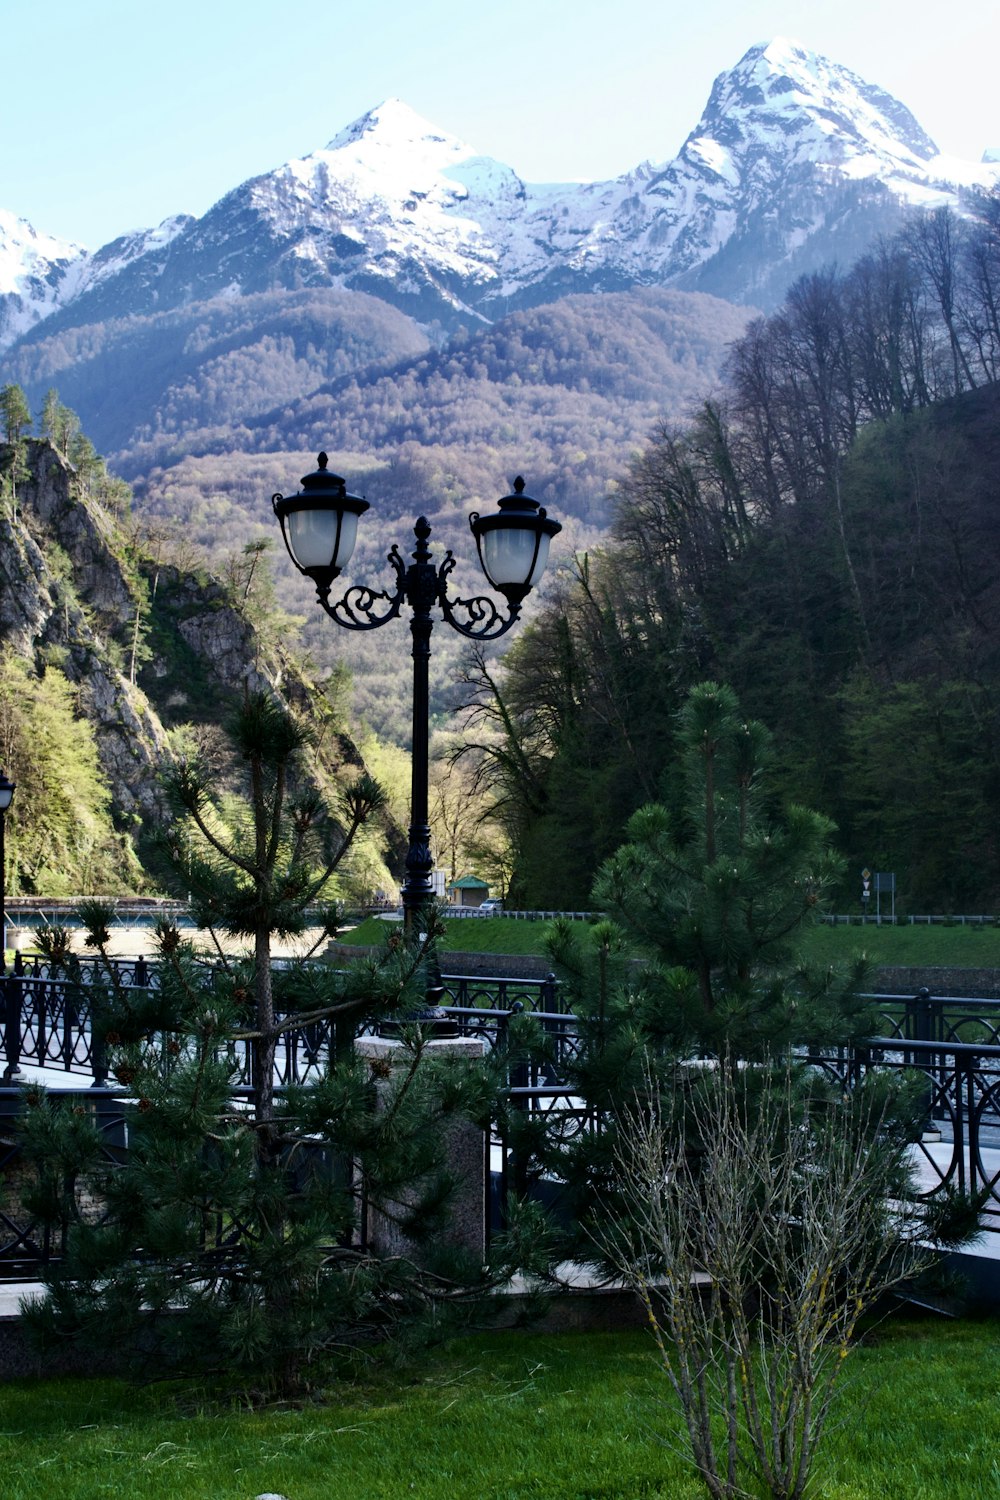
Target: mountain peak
(780, 52)
(36, 271)
(794, 97)
(393, 122)
(794, 159)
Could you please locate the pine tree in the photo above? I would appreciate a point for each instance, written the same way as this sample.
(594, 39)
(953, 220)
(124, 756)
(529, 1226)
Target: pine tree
(15, 413)
(697, 959)
(230, 1238)
(15, 419)
(717, 884)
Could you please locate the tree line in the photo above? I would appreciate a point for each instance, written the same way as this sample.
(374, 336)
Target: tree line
(822, 537)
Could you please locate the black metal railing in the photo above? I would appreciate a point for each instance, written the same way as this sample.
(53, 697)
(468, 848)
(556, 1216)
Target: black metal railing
(960, 1146)
(128, 971)
(953, 1043)
(46, 1019)
(495, 992)
(29, 1245)
(924, 1017)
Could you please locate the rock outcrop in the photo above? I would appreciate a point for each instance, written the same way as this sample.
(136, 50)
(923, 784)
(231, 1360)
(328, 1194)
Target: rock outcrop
(68, 598)
(146, 648)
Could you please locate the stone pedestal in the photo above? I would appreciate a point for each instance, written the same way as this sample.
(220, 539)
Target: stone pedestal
(465, 1147)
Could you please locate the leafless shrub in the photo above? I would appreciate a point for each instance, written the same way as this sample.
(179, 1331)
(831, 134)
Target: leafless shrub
(756, 1231)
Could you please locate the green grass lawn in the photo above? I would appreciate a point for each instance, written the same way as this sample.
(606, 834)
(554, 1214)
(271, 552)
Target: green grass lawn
(468, 935)
(574, 1417)
(947, 947)
(935, 947)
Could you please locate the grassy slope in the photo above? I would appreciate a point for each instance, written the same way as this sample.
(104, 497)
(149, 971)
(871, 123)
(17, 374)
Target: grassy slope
(961, 947)
(468, 935)
(935, 947)
(575, 1417)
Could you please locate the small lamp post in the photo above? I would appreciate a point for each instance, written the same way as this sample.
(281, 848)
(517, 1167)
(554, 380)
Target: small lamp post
(320, 528)
(6, 797)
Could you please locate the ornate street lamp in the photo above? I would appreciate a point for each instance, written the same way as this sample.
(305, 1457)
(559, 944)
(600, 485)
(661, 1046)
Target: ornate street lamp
(320, 528)
(6, 797)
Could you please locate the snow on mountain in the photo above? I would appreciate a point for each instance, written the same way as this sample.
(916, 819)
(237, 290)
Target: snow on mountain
(795, 160)
(396, 206)
(780, 126)
(115, 256)
(37, 272)
(391, 186)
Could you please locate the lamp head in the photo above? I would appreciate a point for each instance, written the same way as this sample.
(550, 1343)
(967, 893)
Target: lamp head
(320, 525)
(513, 544)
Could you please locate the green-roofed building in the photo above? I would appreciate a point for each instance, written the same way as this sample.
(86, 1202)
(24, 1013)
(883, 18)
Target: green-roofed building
(468, 890)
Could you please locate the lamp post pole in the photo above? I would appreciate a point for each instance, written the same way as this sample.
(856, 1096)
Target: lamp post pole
(6, 797)
(319, 526)
(418, 888)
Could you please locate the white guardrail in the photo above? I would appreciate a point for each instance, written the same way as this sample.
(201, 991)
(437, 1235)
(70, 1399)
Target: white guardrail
(857, 919)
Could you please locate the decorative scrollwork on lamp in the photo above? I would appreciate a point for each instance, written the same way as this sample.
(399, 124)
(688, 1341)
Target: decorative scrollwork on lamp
(320, 528)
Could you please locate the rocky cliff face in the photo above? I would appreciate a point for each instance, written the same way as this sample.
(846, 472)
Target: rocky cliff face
(146, 650)
(66, 597)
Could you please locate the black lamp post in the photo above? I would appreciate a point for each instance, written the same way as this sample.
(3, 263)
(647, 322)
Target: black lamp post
(320, 527)
(6, 797)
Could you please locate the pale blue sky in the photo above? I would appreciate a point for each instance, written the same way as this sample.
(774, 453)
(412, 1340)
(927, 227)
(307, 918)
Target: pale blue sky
(114, 115)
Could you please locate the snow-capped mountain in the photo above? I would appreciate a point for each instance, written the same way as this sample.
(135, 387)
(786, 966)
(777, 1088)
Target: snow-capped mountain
(37, 273)
(40, 274)
(795, 161)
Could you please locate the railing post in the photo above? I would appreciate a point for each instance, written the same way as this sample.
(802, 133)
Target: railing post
(549, 992)
(962, 1119)
(918, 1014)
(520, 1078)
(925, 1030)
(860, 1060)
(42, 1002)
(11, 988)
(98, 1052)
(513, 1168)
(68, 1022)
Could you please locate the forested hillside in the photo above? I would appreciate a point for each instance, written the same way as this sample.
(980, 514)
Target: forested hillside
(562, 394)
(182, 381)
(820, 534)
(565, 390)
(119, 659)
(825, 540)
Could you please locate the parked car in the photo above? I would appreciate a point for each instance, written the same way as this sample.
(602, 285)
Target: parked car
(491, 906)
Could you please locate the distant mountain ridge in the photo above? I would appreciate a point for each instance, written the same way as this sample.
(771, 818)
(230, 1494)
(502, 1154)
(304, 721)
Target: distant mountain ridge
(795, 160)
(401, 299)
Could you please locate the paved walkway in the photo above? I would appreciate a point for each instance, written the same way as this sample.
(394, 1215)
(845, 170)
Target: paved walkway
(11, 1293)
(987, 1246)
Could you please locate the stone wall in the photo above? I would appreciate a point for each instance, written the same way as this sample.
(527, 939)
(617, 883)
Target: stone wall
(964, 983)
(473, 965)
